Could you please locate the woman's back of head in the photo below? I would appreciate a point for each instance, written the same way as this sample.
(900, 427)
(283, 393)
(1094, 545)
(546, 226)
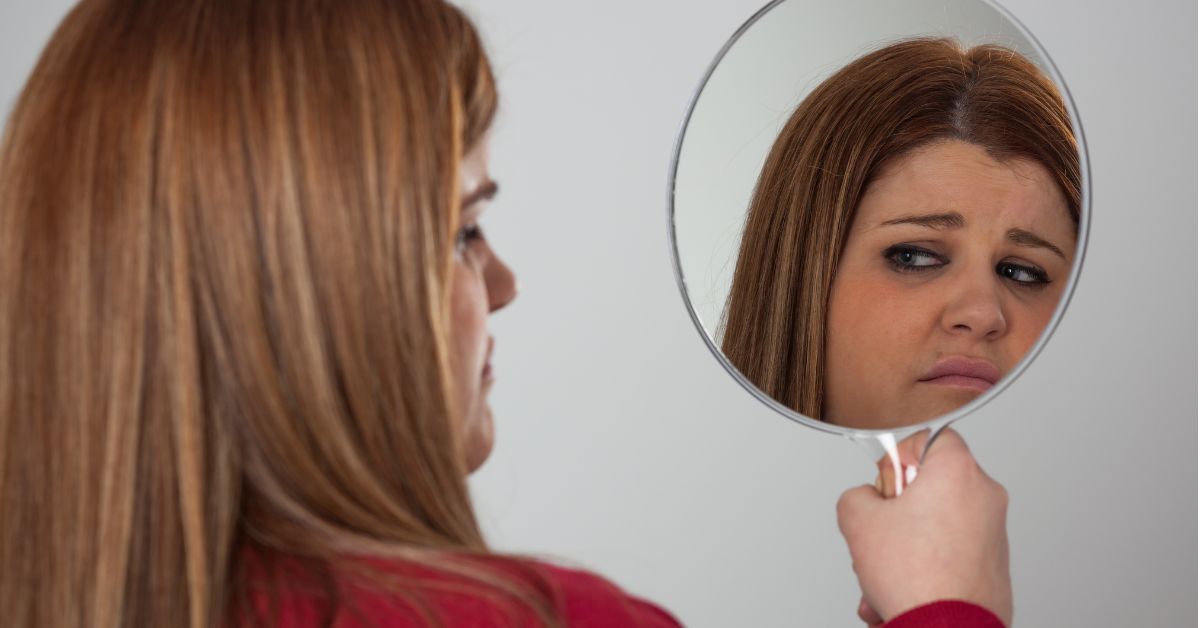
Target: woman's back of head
(225, 233)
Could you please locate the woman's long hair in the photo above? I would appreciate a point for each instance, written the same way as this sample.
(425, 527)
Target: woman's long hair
(225, 241)
(879, 107)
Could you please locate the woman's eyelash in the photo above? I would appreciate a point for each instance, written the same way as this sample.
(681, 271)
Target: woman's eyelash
(910, 259)
(468, 234)
(1037, 277)
(914, 259)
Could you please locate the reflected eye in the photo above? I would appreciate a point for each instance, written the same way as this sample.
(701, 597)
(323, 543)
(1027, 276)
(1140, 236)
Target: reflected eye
(1030, 276)
(907, 258)
(468, 234)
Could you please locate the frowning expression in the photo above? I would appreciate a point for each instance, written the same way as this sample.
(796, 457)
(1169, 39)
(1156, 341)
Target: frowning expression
(954, 264)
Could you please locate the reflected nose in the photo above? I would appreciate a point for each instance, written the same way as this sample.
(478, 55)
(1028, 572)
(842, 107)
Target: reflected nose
(976, 308)
(501, 283)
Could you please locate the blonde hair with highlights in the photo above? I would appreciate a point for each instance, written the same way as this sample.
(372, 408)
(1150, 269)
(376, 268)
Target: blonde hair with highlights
(226, 236)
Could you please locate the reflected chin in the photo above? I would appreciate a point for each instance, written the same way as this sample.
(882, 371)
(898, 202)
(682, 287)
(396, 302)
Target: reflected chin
(922, 403)
(945, 399)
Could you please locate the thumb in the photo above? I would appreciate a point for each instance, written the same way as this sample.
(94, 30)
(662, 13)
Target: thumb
(896, 466)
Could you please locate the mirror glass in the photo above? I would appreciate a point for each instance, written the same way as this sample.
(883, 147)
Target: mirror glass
(879, 208)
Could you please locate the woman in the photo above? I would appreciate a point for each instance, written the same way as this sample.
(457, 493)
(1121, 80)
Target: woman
(244, 350)
(910, 235)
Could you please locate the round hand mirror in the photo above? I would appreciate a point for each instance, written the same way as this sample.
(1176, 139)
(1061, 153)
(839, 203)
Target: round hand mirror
(878, 209)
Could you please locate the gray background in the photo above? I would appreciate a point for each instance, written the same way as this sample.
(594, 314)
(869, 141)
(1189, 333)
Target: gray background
(624, 447)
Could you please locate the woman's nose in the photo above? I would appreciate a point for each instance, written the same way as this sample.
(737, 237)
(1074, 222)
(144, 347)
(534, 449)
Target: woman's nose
(975, 307)
(501, 283)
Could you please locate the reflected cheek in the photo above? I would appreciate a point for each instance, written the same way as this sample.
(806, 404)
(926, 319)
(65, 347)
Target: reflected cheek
(1026, 324)
(875, 325)
(858, 346)
(874, 334)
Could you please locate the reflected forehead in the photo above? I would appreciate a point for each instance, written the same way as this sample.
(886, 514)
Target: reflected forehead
(953, 176)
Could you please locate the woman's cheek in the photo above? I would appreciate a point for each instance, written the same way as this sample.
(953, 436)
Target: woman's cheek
(879, 299)
(1027, 325)
(866, 322)
(468, 312)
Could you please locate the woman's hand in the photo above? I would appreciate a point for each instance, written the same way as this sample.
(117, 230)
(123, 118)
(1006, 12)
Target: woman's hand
(944, 538)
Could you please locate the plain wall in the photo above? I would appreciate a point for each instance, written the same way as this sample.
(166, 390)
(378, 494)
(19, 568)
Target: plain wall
(623, 445)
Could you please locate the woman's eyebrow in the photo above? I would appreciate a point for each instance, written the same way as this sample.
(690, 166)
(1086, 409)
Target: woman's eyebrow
(948, 220)
(1026, 238)
(485, 192)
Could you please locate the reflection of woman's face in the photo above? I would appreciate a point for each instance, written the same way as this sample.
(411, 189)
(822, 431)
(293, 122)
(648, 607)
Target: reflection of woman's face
(952, 268)
(481, 284)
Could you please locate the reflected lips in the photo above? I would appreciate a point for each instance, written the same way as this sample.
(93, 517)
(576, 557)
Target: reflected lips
(965, 372)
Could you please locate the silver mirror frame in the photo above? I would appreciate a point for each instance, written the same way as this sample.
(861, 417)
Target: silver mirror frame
(935, 424)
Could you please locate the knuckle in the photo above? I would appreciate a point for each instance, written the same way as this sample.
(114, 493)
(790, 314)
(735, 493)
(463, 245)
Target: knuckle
(845, 511)
(960, 463)
(1002, 497)
(950, 440)
(843, 506)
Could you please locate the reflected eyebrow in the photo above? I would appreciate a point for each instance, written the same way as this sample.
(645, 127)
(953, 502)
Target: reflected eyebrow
(1025, 238)
(949, 220)
(485, 192)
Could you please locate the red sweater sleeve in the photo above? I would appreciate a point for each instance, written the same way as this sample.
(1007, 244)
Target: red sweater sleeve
(946, 614)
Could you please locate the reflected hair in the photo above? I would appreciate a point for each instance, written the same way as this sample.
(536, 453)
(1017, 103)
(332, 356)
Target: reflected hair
(878, 108)
(226, 241)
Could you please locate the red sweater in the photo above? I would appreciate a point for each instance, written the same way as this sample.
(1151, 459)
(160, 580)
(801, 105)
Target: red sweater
(581, 600)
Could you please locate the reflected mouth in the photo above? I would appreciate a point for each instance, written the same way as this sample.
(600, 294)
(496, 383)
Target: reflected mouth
(963, 372)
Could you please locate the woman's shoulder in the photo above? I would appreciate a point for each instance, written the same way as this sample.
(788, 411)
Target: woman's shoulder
(479, 592)
(592, 600)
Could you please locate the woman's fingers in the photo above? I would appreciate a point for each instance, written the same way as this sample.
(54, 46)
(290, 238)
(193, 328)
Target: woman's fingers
(944, 538)
(895, 474)
(854, 509)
